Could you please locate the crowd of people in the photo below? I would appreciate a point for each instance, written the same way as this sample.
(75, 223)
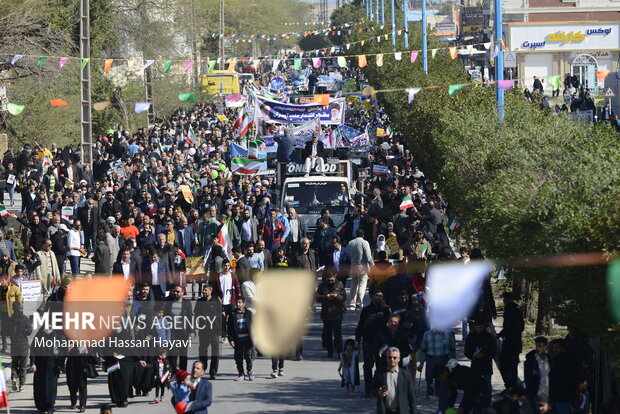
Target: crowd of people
(129, 215)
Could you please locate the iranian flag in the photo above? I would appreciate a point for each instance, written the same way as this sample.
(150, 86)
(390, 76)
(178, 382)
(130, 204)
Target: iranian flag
(4, 401)
(224, 238)
(407, 203)
(252, 150)
(247, 167)
(454, 224)
(191, 137)
(239, 119)
(3, 212)
(246, 124)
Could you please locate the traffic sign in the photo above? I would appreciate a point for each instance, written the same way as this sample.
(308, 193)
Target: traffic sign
(609, 93)
(510, 59)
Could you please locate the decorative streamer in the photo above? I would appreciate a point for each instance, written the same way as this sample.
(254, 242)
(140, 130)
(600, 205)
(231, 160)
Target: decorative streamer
(62, 62)
(453, 53)
(433, 53)
(107, 64)
(554, 81)
(379, 60)
(411, 93)
(505, 84)
(361, 61)
(211, 66)
(398, 55)
(167, 65)
(342, 61)
(188, 65)
(14, 109)
(100, 106)
(601, 75)
(187, 97)
(487, 45)
(16, 58)
(41, 61)
(58, 102)
(85, 62)
(141, 107)
(454, 89)
(148, 63)
(414, 55)
(316, 62)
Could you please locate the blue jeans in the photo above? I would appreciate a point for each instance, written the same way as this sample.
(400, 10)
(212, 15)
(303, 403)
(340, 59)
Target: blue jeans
(564, 408)
(11, 189)
(465, 325)
(431, 363)
(74, 261)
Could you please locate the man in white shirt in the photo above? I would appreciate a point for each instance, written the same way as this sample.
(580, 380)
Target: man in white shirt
(74, 239)
(313, 153)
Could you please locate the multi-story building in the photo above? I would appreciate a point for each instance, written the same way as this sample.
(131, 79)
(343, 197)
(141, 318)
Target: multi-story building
(580, 38)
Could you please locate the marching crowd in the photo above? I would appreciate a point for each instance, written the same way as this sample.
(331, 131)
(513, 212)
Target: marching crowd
(130, 216)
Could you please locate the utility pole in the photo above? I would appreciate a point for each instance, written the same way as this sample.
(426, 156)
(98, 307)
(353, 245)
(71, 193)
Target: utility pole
(424, 41)
(367, 9)
(148, 86)
(195, 53)
(382, 12)
(393, 25)
(499, 59)
(377, 15)
(406, 24)
(371, 13)
(222, 27)
(86, 124)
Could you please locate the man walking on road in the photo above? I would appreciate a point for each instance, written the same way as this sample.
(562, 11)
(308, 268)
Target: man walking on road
(511, 346)
(395, 387)
(373, 318)
(361, 262)
(436, 349)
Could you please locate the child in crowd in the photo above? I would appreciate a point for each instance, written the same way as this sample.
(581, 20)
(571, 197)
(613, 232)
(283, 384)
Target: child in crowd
(349, 367)
(161, 324)
(281, 259)
(161, 368)
(181, 391)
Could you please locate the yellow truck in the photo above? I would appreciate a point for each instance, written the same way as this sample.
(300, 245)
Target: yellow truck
(221, 82)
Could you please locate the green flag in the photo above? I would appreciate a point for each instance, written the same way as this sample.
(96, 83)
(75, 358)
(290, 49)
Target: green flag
(433, 53)
(297, 64)
(14, 109)
(211, 66)
(41, 61)
(613, 288)
(454, 89)
(85, 62)
(187, 97)
(342, 61)
(554, 81)
(167, 65)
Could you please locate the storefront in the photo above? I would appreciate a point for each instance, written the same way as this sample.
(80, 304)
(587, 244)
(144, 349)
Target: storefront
(579, 49)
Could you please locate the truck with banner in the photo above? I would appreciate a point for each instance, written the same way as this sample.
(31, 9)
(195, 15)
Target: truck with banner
(309, 195)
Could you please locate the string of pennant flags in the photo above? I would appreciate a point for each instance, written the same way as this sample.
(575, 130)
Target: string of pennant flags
(339, 29)
(342, 60)
(140, 107)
